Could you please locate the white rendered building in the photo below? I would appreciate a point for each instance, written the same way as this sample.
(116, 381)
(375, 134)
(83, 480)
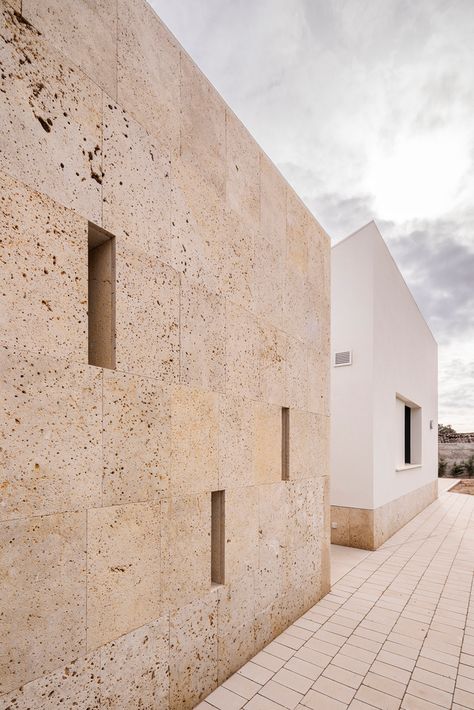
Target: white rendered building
(383, 396)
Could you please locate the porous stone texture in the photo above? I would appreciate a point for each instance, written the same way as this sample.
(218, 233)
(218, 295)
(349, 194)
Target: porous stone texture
(221, 319)
(368, 529)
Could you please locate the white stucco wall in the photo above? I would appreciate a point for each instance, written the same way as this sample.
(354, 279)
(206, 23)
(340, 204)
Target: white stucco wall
(351, 406)
(394, 353)
(405, 363)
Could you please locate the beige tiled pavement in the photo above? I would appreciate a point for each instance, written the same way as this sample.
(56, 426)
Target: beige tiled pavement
(396, 630)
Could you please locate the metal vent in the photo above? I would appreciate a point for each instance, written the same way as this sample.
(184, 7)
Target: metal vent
(344, 357)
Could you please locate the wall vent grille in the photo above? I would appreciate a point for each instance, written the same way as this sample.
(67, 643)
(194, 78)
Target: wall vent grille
(344, 357)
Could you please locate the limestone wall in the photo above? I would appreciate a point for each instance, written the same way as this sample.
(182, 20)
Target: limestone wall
(221, 319)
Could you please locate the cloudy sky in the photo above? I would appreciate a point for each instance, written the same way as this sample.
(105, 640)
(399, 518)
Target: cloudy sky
(367, 108)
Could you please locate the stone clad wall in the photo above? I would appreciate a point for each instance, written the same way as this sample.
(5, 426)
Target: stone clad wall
(222, 319)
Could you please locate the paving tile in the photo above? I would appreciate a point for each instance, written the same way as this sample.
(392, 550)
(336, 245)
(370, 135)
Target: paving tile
(293, 680)
(427, 692)
(433, 679)
(342, 675)
(286, 697)
(385, 685)
(257, 673)
(377, 698)
(258, 702)
(225, 700)
(464, 698)
(267, 660)
(334, 689)
(242, 686)
(304, 668)
(318, 701)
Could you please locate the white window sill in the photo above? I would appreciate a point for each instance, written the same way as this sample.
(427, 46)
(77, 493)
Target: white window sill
(408, 467)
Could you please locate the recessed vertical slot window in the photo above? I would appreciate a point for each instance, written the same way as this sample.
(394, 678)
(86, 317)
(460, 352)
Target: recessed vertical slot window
(218, 537)
(101, 297)
(285, 443)
(407, 434)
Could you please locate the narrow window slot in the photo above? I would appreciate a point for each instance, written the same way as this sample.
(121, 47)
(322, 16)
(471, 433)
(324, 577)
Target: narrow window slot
(407, 434)
(101, 298)
(218, 537)
(285, 443)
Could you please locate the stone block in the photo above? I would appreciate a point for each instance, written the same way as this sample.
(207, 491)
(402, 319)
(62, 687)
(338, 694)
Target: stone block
(197, 225)
(51, 439)
(186, 549)
(135, 438)
(147, 316)
(236, 626)
(193, 651)
(202, 342)
(242, 171)
(43, 568)
(241, 532)
(59, 109)
(75, 684)
(267, 443)
(269, 280)
(43, 273)
(134, 672)
(243, 345)
(307, 446)
(123, 571)
(236, 439)
(298, 377)
(194, 441)
(273, 365)
(272, 204)
(318, 382)
(136, 186)
(85, 32)
(148, 71)
(202, 124)
(238, 250)
(271, 545)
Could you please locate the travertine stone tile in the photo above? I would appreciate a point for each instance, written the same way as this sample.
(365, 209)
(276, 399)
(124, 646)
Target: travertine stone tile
(267, 443)
(241, 532)
(272, 204)
(297, 374)
(305, 444)
(43, 568)
(136, 186)
(135, 438)
(74, 684)
(273, 364)
(50, 430)
(194, 441)
(242, 171)
(202, 126)
(123, 572)
(186, 549)
(272, 542)
(243, 345)
(193, 651)
(269, 623)
(318, 382)
(148, 71)
(58, 149)
(85, 32)
(202, 342)
(305, 517)
(269, 280)
(147, 316)
(134, 672)
(43, 273)
(236, 625)
(197, 223)
(238, 251)
(236, 437)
